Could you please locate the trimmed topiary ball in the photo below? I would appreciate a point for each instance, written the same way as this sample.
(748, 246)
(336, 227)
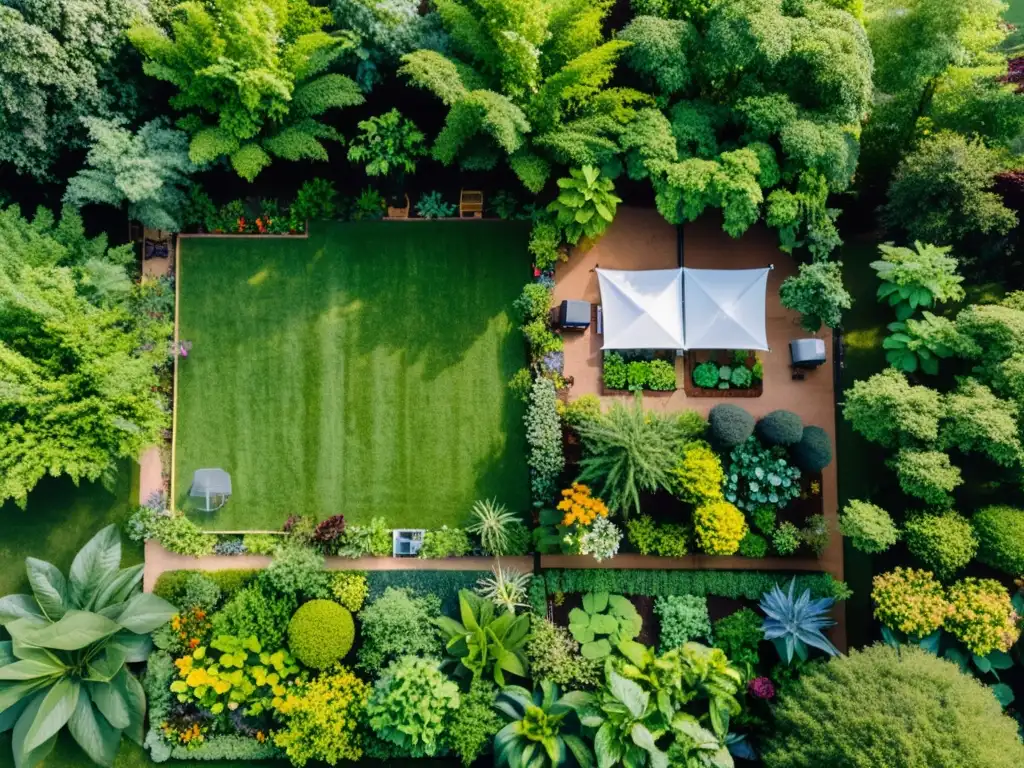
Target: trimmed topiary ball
(1001, 538)
(730, 425)
(895, 708)
(320, 633)
(780, 428)
(814, 451)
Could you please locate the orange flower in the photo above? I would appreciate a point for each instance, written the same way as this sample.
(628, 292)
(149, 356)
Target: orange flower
(580, 507)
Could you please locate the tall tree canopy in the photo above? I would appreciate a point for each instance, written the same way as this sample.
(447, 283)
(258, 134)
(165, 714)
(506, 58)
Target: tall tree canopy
(61, 60)
(528, 79)
(252, 78)
(77, 365)
(755, 95)
(932, 50)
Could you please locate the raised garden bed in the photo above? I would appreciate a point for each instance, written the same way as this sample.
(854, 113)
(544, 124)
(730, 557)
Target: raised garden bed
(729, 383)
(652, 372)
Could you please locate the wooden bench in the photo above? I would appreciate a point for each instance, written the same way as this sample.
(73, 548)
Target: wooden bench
(471, 204)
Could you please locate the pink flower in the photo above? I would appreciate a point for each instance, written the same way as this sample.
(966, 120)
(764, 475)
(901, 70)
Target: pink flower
(761, 688)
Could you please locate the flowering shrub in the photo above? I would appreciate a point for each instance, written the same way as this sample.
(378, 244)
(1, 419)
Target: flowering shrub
(910, 601)
(322, 718)
(698, 476)
(719, 527)
(982, 616)
(189, 630)
(232, 672)
(579, 507)
(759, 476)
(602, 540)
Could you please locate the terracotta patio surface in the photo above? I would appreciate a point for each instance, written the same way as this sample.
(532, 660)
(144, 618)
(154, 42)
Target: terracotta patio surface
(642, 239)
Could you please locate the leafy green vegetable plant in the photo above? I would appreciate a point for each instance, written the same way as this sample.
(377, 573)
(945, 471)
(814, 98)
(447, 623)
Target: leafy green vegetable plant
(71, 639)
(412, 706)
(484, 643)
(543, 729)
(387, 144)
(603, 622)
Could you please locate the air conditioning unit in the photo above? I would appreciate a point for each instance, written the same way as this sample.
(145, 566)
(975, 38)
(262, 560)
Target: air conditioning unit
(807, 353)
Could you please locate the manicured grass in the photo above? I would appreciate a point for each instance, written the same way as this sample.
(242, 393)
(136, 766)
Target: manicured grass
(360, 372)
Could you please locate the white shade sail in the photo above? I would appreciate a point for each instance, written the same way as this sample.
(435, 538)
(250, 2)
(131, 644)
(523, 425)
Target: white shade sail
(645, 309)
(724, 308)
(642, 309)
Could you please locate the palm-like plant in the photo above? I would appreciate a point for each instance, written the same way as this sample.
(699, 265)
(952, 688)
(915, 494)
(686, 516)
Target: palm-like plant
(627, 451)
(484, 643)
(66, 661)
(491, 525)
(543, 730)
(793, 624)
(505, 588)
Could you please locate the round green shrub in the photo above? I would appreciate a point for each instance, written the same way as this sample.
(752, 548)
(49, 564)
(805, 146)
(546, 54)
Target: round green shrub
(780, 428)
(661, 376)
(814, 451)
(730, 425)
(895, 708)
(944, 542)
(869, 528)
(320, 633)
(741, 377)
(753, 545)
(1000, 533)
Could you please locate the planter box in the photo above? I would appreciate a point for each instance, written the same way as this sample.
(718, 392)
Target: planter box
(756, 389)
(646, 392)
(399, 213)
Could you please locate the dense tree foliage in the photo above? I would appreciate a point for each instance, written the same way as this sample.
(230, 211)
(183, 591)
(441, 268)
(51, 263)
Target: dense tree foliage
(62, 60)
(528, 82)
(77, 366)
(755, 96)
(148, 170)
(252, 78)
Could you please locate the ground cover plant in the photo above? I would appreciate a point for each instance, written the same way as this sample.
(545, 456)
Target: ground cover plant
(384, 341)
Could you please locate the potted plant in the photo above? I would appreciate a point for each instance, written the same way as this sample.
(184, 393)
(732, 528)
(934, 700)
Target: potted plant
(388, 145)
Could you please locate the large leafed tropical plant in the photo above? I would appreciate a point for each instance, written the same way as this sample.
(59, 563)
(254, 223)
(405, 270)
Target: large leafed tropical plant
(71, 640)
(543, 730)
(486, 641)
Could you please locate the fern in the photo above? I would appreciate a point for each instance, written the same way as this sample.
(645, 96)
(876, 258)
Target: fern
(323, 93)
(481, 112)
(249, 160)
(532, 169)
(295, 144)
(436, 73)
(209, 144)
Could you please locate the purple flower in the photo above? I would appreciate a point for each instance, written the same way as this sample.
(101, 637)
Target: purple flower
(761, 688)
(553, 362)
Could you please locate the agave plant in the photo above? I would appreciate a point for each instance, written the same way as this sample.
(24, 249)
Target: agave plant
(492, 523)
(66, 661)
(793, 624)
(484, 643)
(506, 589)
(543, 730)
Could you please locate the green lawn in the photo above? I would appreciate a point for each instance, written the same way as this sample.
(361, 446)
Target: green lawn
(362, 371)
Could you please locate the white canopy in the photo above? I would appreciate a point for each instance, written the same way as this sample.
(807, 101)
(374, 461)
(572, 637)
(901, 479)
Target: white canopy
(642, 309)
(725, 308)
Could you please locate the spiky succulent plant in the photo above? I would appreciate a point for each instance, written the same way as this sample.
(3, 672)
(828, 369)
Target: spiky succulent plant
(793, 624)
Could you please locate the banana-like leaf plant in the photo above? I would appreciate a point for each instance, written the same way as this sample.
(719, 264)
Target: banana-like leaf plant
(793, 624)
(543, 730)
(71, 639)
(486, 642)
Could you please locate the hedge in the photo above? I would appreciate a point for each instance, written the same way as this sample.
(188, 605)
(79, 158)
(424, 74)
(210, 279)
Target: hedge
(444, 584)
(170, 585)
(733, 584)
